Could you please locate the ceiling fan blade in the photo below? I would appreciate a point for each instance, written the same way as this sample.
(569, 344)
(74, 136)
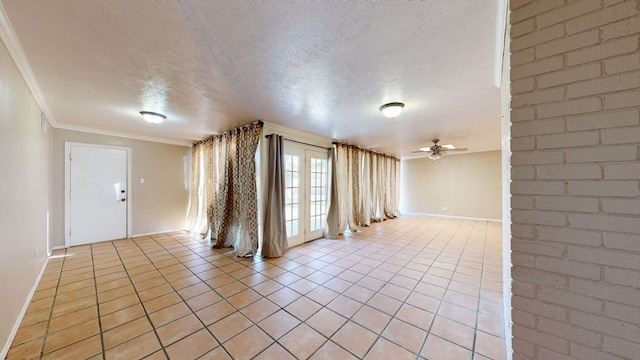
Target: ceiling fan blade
(448, 147)
(417, 152)
(426, 149)
(457, 149)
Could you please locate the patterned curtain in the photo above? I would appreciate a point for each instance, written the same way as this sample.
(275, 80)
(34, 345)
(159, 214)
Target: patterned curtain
(237, 207)
(224, 188)
(363, 189)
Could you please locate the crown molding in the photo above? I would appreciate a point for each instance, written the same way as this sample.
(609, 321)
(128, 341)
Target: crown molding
(14, 47)
(125, 135)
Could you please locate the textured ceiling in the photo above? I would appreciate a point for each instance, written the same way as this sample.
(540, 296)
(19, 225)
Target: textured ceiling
(320, 67)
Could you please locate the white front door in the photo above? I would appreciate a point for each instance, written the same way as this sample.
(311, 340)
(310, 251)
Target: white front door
(306, 180)
(97, 193)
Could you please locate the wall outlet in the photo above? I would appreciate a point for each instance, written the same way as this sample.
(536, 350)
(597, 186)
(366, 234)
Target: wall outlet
(444, 208)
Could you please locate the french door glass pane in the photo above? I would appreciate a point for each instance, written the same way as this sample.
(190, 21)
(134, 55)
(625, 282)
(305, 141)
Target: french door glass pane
(291, 201)
(317, 204)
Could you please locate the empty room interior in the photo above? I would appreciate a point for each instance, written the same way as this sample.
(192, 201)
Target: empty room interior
(320, 180)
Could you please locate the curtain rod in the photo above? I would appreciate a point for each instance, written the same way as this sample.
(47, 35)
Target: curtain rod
(363, 149)
(300, 142)
(258, 122)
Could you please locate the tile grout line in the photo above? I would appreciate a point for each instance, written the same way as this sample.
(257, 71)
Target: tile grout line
(205, 326)
(185, 301)
(475, 330)
(139, 301)
(375, 293)
(95, 286)
(223, 298)
(407, 243)
(378, 292)
(482, 274)
(427, 331)
(55, 294)
(404, 302)
(424, 343)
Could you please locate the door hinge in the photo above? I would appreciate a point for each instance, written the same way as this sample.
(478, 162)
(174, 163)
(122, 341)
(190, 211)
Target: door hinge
(69, 232)
(70, 157)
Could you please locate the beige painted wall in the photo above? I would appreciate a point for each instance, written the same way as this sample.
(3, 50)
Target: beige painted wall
(160, 204)
(466, 185)
(25, 160)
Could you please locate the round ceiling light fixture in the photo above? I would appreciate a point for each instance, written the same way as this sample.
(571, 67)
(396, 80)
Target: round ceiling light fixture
(392, 109)
(152, 117)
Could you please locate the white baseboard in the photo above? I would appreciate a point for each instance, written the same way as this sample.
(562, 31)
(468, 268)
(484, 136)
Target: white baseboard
(16, 325)
(156, 232)
(451, 216)
(59, 247)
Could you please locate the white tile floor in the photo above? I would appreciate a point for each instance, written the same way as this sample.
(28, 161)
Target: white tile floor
(408, 288)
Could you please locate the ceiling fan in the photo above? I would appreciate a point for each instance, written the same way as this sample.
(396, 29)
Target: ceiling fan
(436, 151)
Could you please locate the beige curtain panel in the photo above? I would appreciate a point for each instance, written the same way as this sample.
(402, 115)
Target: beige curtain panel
(274, 239)
(223, 192)
(363, 189)
(332, 230)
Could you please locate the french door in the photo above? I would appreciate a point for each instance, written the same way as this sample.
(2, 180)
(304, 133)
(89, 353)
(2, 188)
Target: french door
(306, 188)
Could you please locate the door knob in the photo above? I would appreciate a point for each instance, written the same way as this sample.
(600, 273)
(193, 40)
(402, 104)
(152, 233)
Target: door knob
(123, 199)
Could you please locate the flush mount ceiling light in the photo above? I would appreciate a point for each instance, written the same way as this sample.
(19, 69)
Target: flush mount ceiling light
(152, 117)
(391, 110)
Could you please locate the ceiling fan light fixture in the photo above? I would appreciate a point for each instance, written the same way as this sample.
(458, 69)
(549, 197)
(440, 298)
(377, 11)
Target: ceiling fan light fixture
(153, 117)
(392, 109)
(434, 156)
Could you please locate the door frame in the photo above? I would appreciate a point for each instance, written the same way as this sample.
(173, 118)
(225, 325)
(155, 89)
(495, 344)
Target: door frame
(67, 185)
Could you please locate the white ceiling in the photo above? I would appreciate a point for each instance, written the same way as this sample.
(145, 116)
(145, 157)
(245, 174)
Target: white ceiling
(317, 66)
